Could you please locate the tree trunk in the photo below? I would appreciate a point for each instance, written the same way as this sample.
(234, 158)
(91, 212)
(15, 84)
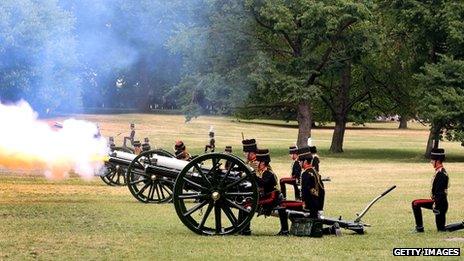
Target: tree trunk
(144, 84)
(403, 122)
(433, 141)
(338, 135)
(341, 109)
(304, 123)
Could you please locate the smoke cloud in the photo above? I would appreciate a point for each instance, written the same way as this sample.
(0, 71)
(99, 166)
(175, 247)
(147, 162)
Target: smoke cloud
(29, 144)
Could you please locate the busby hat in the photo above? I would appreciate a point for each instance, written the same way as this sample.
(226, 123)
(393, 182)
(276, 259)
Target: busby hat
(304, 153)
(292, 149)
(313, 149)
(179, 145)
(228, 149)
(262, 155)
(437, 154)
(249, 145)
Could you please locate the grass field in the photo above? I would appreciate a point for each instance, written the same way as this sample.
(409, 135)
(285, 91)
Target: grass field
(75, 219)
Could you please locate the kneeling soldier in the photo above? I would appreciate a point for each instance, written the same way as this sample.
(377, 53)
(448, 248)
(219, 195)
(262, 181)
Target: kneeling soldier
(294, 179)
(438, 202)
(181, 151)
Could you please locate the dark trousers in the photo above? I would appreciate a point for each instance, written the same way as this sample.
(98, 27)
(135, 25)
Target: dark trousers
(283, 216)
(128, 139)
(291, 181)
(441, 206)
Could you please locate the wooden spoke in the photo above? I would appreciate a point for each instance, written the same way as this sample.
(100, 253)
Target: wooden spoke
(237, 206)
(217, 218)
(195, 208)
(230, 215)
(205, 216)
(194, 184)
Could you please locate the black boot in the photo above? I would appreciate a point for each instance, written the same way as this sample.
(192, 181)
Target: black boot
(283, 223)
(455, 226)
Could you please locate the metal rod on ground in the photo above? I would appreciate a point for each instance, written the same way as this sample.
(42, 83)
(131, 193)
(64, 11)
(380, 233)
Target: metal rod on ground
(372, 203)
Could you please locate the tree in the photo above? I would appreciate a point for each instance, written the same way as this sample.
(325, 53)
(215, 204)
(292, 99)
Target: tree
(342, 85)
(38, 55)
(443, 102)
(434, 28)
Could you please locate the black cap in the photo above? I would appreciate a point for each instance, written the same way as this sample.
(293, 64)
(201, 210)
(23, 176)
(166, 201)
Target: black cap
(146, 147)
(137, 143)
(249, 145)
(304, 153)
(262, 155)
(437, 154)
(228, 149)
(146, 140)
(211, 134)
(292, 149)
(313, 149)
(132, 125)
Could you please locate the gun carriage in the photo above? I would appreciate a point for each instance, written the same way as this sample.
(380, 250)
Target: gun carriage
(229, 196)
(209, 199)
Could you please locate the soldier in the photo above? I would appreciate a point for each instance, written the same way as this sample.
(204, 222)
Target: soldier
(131, 136)
(137, 147)
(146, 144)
(311, 184)
(270, 196)
(315, 163)
(294, 179)
(181, 151)
(111, 143)
(438, 202)
(212, 142)
(250, 148)
(227, 150)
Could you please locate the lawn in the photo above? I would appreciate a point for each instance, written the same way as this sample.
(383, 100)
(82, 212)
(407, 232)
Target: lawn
(76, 219)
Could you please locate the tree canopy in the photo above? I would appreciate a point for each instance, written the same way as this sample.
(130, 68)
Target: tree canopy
(304, 60)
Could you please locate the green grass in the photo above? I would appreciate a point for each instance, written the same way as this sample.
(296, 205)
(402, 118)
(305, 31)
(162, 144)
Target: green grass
(75, 219)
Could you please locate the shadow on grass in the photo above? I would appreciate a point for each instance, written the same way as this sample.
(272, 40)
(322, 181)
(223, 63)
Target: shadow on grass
(295, 126)
(388, 155)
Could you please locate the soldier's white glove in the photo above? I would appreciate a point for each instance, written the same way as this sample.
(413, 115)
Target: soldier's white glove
(320, 214)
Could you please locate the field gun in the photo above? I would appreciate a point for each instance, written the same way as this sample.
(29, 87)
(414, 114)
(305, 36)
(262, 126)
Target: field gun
(229, 195)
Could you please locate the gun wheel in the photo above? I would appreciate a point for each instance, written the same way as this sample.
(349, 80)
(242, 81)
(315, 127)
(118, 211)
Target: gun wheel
(116, 174)
(212, 200)
(147, 187)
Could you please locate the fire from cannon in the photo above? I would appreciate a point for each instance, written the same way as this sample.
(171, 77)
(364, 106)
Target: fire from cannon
(27, 143)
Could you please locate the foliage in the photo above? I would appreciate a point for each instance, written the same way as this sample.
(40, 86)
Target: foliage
(443, 99)
(38, 54)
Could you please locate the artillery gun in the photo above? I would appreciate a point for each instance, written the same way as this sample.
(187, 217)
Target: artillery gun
(231, 194)
(115, 174)
(228, 195)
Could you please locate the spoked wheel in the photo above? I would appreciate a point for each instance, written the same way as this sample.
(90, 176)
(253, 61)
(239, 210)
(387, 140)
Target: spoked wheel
(116, 174)
(148, 187)
(212, 200)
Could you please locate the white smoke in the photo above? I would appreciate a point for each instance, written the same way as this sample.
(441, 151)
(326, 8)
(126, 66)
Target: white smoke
(28, 143)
